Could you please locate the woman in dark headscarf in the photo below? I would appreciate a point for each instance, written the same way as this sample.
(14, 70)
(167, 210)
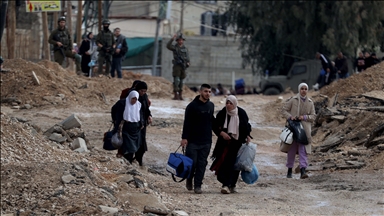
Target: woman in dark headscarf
(85, 52)
(232, 129)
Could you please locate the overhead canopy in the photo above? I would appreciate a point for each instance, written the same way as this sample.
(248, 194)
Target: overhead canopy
(138, 45)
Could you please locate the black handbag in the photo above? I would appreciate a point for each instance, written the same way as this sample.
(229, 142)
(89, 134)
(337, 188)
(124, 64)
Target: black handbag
(299, 134)
(107, 144)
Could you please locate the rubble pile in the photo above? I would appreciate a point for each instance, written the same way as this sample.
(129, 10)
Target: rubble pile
(27, 85)
(349, 129)
(39, 178)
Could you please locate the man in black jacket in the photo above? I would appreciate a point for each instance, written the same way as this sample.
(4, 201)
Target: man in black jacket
(197, 135)
(118, 55)
(342, 66)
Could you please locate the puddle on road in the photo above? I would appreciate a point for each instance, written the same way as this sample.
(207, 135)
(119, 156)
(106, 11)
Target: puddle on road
(166, 112)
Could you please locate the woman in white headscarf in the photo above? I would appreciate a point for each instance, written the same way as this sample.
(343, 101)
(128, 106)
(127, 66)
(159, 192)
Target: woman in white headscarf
(300, 107)
(232, 128)
(132, 126)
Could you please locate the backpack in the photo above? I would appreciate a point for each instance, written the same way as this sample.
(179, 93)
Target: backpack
(179, 165)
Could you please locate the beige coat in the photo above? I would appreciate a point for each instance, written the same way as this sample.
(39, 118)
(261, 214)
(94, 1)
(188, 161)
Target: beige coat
(291, 108)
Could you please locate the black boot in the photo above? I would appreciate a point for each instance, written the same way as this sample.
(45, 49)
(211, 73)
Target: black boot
(303, 174)
(289, 174)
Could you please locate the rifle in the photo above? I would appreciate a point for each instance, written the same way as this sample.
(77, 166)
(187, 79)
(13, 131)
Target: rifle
(179, 60)
(57, 38)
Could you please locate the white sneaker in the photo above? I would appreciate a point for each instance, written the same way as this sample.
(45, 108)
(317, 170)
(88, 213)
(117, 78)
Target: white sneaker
(225, 190)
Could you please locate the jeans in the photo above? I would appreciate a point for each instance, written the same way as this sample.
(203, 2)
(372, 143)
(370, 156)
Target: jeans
(199, 154)
(116, 65)
(300, 148)
(343, 76)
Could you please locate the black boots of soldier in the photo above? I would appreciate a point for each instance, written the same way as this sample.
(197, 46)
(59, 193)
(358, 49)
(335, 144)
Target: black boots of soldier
(289, 174)
(303, 174)
(178, 95)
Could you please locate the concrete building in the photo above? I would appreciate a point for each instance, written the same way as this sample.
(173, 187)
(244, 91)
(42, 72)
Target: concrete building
(214, 59)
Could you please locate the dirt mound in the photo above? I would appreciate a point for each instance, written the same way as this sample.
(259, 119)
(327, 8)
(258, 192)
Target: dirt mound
(369, 80)
(63, 87)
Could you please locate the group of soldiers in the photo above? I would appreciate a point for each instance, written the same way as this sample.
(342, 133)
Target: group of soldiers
(62, 43)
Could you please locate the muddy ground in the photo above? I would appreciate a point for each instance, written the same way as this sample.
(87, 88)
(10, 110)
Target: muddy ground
(345, 179)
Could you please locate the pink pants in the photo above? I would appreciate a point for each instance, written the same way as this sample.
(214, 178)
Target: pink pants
(297, 148)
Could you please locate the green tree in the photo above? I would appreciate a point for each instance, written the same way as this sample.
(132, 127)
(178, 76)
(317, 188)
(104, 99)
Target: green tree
(271, 32)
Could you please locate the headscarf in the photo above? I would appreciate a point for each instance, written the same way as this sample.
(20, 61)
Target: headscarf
(301, 98)
(132, 112)
(233, 126)
(141, 85)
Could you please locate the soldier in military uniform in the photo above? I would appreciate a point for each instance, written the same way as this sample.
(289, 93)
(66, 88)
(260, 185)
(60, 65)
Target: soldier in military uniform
(180, 64)
(63, 46)
(106, 45)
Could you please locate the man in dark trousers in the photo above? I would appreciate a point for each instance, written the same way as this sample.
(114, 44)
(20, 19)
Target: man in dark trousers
(330, 73)
(106, 45)
(118, 55)
(197, 135)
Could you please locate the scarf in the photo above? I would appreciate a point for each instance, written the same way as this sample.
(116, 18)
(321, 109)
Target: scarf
(119, 40)
(132, 112)
(301, 98)
(233, 126)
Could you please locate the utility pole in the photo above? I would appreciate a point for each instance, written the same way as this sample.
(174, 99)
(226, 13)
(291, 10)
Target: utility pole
(69, 21)
(79, 21)
(46, 51)
(105, 9)
(11, 29)
(99, 5)
(182, 16)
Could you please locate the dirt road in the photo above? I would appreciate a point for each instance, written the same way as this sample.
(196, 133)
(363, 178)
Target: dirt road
(351, 192)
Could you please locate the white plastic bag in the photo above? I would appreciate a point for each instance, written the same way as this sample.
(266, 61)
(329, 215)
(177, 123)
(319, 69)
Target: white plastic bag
(286, 136)
(245, 157)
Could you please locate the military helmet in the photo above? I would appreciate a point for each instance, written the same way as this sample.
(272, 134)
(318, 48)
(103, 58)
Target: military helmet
(106, 22)
(62, 18)
(180, 36)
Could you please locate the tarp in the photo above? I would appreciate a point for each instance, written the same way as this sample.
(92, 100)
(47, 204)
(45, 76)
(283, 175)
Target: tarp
(138, 45)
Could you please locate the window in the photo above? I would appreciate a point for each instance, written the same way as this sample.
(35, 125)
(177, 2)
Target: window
(299, 69)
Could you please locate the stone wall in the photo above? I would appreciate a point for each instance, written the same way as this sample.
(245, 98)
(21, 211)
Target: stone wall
(213, 59)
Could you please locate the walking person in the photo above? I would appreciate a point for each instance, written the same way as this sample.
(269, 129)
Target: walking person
(330, 72)
(62, 43)
(106, 44)
(197, 135)
(180, 64)
(119, 53)
(300, 107)
(232, 129)
(141, 87)
(131, 131)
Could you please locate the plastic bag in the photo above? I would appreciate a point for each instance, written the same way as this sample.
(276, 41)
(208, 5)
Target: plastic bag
(116, 140)
(250, 177)
(245, 157)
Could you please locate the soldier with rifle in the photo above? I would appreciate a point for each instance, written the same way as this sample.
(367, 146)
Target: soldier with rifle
(62, 43)
(180, 64)
(106, 46)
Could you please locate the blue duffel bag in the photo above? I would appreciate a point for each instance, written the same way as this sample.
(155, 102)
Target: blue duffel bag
(179, 165)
